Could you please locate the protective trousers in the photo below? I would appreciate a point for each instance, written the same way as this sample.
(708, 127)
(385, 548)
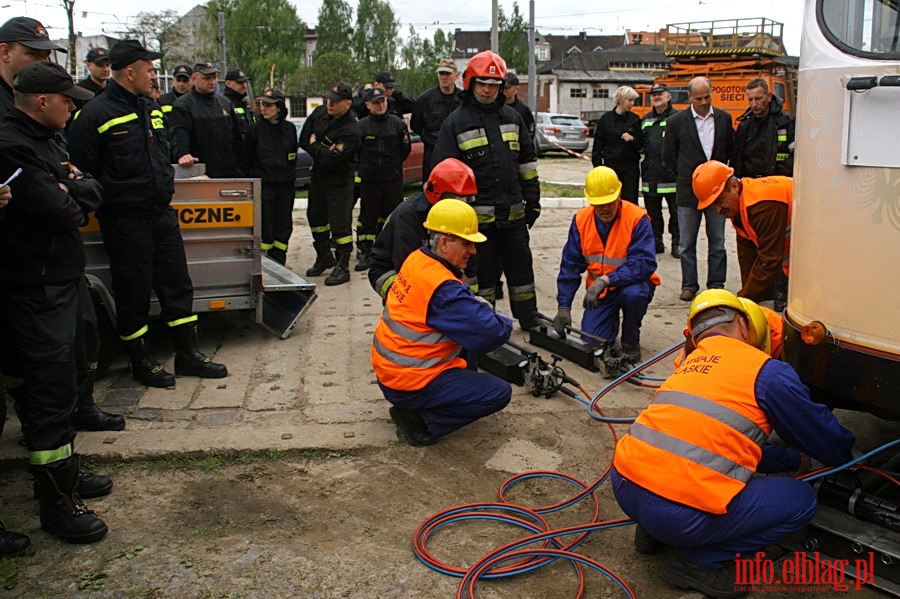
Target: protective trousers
(277, 219)
(377, 201)
(507, 247)
(330, 212)
(147, 254)
(769, 509)
(40, 330)
(455, 398)
(653, 203)
(631, 301)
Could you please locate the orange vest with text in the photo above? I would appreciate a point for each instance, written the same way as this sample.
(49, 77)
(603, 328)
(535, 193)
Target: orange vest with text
(407, 354)
(602, 258)
(767, 189)
(701, 439)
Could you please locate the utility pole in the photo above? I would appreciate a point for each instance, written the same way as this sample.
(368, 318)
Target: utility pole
(495, 35)
(224, 67)
(532, 68)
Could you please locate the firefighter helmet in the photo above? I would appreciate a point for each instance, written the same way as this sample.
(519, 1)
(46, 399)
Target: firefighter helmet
(732, 305)
(486, 67)
(454, 217)
(602, 186)
(450, 176)
(709, 180)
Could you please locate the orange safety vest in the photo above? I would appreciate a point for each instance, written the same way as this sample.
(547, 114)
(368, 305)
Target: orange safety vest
(767, 189)
(601, 258)
(407, 354)
(701, 439)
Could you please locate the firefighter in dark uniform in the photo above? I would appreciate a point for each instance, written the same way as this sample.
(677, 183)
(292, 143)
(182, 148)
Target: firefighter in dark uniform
(398, 103)
(97, 63)
(384, 145)
(270, 152)
(42, 261)
(205, 127)
(511, 91)
(236, 92)
(331, 136)
(181, 83)
(657, 178)
(432, 107)
(22, 42)
(121, 138)
(491, 138)
(764, 139)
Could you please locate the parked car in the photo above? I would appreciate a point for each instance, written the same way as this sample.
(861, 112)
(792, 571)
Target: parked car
(553, 130)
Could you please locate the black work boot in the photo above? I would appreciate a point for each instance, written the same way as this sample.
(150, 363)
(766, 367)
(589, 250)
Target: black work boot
(145, 369)
(87, 416)
(631, 353)
(89, 485)
(411, 427)
(324, 258)
(676, 250)
(12, 544)
(190, 361)
(341, 272)
(363, 256)
(62, 512)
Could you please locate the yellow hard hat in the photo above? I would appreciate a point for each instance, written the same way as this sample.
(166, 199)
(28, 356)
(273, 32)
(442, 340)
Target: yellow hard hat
(720, 298)
(602, 186)
(708, 181)
(454, 217)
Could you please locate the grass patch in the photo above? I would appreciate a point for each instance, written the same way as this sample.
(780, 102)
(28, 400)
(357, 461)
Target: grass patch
(558, 190)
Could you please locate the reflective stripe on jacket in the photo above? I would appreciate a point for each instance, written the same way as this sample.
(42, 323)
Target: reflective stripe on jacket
(766, 189)
(407, 353)
(602, 259)
(701, 439)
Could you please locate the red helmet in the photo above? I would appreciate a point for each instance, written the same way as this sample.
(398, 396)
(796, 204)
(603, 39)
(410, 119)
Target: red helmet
(450, 176)
(485, 66)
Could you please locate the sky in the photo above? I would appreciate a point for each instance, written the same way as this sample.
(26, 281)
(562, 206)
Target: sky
(567, 18)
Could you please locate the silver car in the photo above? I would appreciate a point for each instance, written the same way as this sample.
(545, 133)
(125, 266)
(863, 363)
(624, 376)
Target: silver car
(559, 132)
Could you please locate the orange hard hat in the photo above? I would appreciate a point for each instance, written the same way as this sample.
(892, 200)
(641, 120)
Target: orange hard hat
(709, 181)
(487, 67)
(450, 176)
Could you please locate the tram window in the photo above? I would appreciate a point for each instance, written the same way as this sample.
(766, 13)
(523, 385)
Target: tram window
(867, 28)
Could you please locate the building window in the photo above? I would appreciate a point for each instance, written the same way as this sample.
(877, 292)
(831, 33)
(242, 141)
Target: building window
(599, 92)
(297, 107)
(578, 92)
(543, 54)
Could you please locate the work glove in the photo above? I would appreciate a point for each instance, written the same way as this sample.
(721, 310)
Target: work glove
(531, 216)
(563, 319)
(592, 297)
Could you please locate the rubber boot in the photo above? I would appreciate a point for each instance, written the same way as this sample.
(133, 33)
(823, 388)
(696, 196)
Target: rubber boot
(62, 512)
(87, 416)
(324, 257)
(12, 544)
(363, 256)
(190, 361)
(341, 272)
(144, 369)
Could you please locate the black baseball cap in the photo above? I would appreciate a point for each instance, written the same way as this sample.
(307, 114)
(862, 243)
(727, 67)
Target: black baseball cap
(237, 75)
(386, 78)
(374, 94)
(339, 91)
(96, 55)
(512, 79)
(48, 78)
(272, 96)
(182, 70)
(659, 87)
(28, 32)
(128, 52)
(206, 68)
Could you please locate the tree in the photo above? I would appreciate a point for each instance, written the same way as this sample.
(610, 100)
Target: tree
(325, 72)
(159, 31)
(513, 39)
(334, 29)
(420, 57)
(69, 5)
(265, 38)
(375, 39)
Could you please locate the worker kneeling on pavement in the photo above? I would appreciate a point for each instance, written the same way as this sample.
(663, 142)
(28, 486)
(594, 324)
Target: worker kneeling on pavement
(614, 242)
(685, 472)
(760, 210)
(431, 330)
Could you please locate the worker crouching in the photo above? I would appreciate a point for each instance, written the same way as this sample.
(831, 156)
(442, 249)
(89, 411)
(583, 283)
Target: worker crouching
(613, 241)
(431, 330)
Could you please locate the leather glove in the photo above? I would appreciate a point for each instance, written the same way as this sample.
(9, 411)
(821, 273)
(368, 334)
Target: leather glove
(531, 216)
(562, 320)
(592, 297)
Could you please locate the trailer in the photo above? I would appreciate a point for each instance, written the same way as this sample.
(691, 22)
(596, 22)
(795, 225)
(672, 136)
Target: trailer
(220, 225)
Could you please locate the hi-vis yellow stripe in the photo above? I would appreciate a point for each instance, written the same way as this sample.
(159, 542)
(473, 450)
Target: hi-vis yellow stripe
(116, 121)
